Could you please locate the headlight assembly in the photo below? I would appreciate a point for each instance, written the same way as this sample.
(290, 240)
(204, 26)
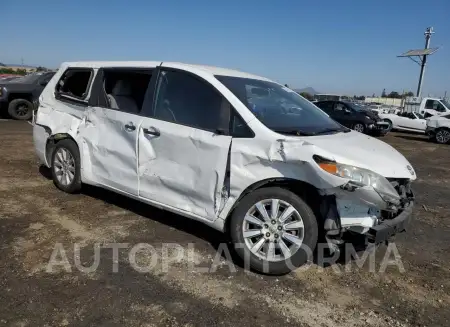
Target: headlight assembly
(361, 177)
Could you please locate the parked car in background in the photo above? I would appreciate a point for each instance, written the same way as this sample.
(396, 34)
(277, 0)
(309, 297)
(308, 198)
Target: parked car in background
(354, 116)
(379, 109)
(438, 128)
(406, 121)
(427, 106)
(200, 141)
(17, 95)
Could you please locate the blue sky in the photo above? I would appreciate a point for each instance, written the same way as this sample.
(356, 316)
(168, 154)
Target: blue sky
(345, 46)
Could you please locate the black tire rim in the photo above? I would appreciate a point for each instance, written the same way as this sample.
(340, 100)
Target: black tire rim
(22, 110)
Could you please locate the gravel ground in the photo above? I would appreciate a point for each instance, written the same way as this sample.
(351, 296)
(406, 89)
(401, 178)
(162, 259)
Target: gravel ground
(38, 223)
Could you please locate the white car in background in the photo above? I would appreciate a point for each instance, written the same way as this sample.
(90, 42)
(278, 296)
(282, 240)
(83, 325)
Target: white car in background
(407, 121)
(438, 128)
(379, 109)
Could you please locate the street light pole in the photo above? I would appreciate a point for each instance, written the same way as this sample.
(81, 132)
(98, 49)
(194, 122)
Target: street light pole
(428, 33)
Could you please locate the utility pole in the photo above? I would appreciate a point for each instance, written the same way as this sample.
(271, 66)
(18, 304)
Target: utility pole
(428, 33)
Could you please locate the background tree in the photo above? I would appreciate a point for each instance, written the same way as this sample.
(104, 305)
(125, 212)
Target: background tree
(307, 96)
(383, 94)
(409, 94)
(394, 95)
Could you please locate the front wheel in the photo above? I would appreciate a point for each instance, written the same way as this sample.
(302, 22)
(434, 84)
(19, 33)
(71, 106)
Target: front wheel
(20, 109)
(273, 231)
(66, 166)
(359, 127)
(389, 128)
(442, 136)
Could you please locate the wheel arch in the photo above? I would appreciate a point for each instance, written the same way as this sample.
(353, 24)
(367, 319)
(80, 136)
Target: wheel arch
(304, 190)
(53, 140)
(20, 96)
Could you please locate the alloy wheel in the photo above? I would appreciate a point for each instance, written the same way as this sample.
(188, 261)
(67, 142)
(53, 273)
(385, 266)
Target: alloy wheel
(64, 166)
(443, 136)
(359, 128)
(273, 230)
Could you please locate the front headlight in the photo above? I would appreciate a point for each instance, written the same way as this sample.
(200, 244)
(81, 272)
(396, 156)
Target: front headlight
(361, 177)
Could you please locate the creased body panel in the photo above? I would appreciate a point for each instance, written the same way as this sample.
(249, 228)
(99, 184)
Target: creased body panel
(182, 167)
(254, 160)
(111, 149)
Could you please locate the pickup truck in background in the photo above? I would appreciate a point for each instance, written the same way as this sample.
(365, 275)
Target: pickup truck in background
(427, 106)
(17, 95)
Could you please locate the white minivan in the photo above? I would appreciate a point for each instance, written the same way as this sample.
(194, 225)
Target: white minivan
(238, 152)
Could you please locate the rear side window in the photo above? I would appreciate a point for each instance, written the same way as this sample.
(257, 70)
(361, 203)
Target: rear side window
(74, 84)
(125, 89)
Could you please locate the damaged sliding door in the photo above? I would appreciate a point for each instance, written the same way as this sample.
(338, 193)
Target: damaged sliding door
(183, 150)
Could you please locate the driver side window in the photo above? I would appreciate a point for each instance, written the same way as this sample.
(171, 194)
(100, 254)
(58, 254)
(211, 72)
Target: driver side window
(339, 107)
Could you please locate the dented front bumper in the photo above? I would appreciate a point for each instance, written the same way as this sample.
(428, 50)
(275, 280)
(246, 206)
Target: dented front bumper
(390, 227)
(362, 211)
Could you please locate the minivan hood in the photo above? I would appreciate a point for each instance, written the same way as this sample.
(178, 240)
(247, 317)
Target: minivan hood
(363, 151)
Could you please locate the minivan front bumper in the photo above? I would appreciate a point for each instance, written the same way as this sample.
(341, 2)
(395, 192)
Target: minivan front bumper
(388, 228)
(352, 214)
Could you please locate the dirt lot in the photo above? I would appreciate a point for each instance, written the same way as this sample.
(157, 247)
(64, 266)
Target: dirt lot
(35, 216)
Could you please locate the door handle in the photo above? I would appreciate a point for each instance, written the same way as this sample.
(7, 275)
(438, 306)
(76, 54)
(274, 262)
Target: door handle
(152, 131)
(130, 127)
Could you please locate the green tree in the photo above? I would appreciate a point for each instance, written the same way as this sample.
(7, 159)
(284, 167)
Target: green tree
(408, 94)
(307, 96)
(394, 95)
(383, 94)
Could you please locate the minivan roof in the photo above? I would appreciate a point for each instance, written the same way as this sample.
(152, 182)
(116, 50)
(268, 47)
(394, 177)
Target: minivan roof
(151, 64)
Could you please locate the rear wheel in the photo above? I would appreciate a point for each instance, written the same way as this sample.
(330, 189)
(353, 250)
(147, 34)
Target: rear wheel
(359, 127)
(20, 109)
(66, 166)
(442, 136)
(273, 230)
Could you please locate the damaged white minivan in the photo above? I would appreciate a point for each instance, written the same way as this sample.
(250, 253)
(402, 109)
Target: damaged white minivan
(238, 152)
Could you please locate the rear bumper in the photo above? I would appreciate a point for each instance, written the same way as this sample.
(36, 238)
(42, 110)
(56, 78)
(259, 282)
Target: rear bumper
(390, 227)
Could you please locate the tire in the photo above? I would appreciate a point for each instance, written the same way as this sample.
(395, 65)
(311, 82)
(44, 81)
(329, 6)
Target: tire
(69, 164)
(442, 136)
(281, 263)
(359, 127)
(20, 109)
(390, 124)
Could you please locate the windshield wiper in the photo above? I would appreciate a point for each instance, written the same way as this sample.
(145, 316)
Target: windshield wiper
(332, 130)
(295, 132)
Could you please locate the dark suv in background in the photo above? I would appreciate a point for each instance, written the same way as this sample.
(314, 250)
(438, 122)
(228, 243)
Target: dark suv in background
(354, 116)
(17, 95)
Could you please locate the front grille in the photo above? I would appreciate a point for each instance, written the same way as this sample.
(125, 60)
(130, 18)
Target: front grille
(403, 188)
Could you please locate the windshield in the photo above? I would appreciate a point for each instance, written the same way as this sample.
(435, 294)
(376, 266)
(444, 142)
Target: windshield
(279, 108)
(445, 102)
(356, 107)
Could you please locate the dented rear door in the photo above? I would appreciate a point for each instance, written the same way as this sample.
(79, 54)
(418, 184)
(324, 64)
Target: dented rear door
(182, 156)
